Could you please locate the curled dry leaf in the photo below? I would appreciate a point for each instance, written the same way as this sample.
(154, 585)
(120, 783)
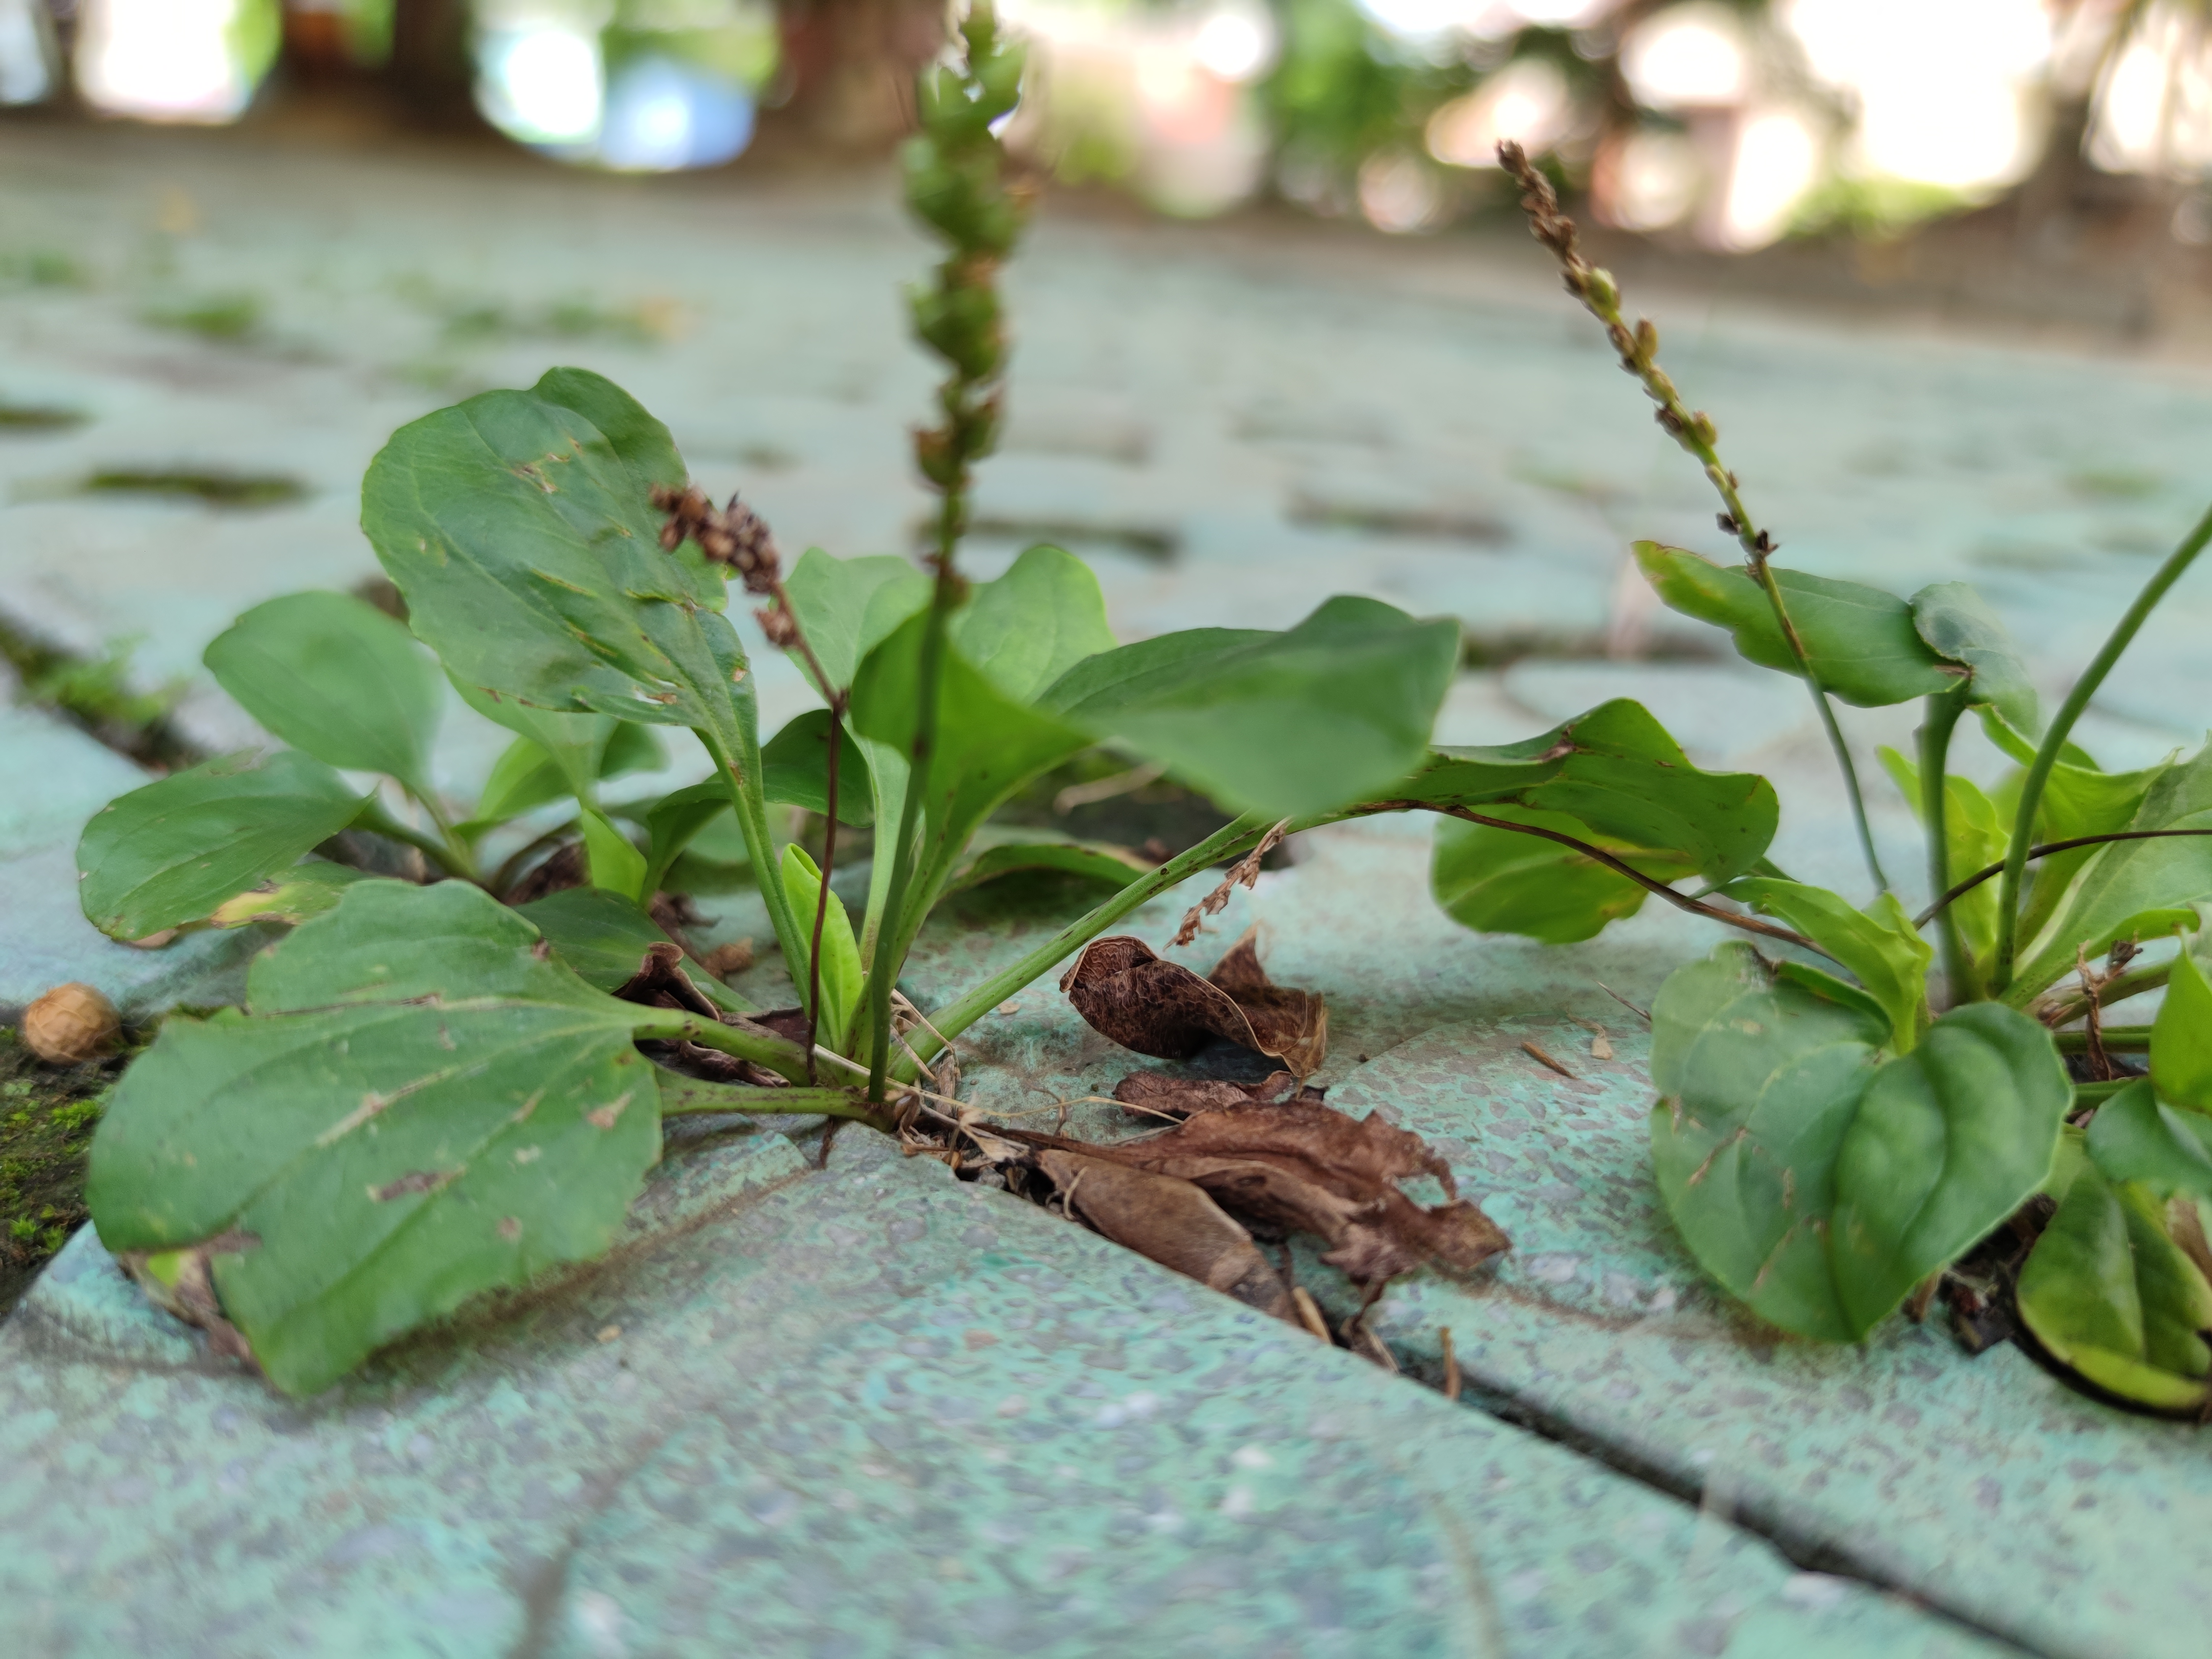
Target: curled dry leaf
(1173, 1222)
(1159, 1007)
(1300, 1166)
(1157, 1095)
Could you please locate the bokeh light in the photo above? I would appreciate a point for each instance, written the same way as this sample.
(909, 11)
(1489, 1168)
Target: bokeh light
(174, 60)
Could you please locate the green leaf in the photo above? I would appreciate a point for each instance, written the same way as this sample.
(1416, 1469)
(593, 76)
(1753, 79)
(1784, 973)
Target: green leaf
(795, 771)
(1617, 771)
(1108, 867)
(614, 863)
(294, 895)
(1497, 882)
(2181, 1038)
(1336, 709)
(840, 953)
(2131, 889)
(1959, 626)
(334, 676)
(2135, 1136)
(526, 777)
(603, 937)
(1878, 945)
(415, 1107)
(2107, 1291)
(1861, 640)
(1817, 1181)
(987, 746)
(1976, 834)
(1026, 629)
(850, 606)
(170, 853)
(521, 531)
(575, 744)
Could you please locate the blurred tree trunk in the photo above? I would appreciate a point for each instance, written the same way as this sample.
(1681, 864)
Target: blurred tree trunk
(430, 72)
(848, 68)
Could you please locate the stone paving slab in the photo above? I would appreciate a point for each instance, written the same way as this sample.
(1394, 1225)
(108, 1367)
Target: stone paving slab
(869, 1411)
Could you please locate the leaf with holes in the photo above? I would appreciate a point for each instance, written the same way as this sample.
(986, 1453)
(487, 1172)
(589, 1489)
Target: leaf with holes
(416, 1106)
(1813, 1177)
(171, 852)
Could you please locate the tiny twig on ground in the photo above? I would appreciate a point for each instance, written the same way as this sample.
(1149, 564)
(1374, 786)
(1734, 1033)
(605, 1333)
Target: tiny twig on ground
(1537, 1054)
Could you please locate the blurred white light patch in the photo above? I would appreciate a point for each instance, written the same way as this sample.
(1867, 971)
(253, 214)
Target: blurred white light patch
(1428, 20)
(1777, 157)
(1653, 181)
(542, 82)
(164, 60)
(26, 77)
(663, 115)
(1944, 91)
(2153, 110)
(1237, 43)
(1686, 57)
(1528, 101)
(1399, 195)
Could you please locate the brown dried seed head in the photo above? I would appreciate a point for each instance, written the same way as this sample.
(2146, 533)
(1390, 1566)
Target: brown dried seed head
(70, 1024)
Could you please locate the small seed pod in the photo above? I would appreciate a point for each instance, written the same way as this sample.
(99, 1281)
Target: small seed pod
(70, 1024)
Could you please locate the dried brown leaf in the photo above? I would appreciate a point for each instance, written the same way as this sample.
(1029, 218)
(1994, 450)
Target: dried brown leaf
(1157, 1095)
(1162, 1008)
(1301, 1166)
(1170, 1220)
(661, 982)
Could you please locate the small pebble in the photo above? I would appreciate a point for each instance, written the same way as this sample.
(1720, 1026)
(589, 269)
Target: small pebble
(70, 1024)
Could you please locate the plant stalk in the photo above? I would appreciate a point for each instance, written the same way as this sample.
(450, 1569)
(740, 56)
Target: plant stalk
(751, 810)
(1944, 710)
(375, 819)
(2044, 850)
(762, 1048)
(2061, 724)
(2133, 983)
(794, 1102)
(1694, 431)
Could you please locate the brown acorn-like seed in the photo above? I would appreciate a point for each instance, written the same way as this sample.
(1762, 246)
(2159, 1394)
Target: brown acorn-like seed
(70, 1024)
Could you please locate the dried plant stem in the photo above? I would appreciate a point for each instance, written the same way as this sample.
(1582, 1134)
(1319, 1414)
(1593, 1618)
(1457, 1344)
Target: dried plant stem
(2118, 990)
(1695, 432)
(2061, 724)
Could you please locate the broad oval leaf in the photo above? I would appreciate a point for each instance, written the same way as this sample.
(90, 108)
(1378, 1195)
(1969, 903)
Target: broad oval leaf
(602, 937)
(1030, 627)
(417, 1106)
(795, 771)
(334, 676)
(1815, 1181)
(1496, 881)
(519, 527)
(1861, 640)
(1108, 867)
(2181, 1038)
(1617, 771)
(2130, 888)
(1878, 945)
(2135, 1136)
(1959, 626)
(172, 852)
(2108, 1291)
(850, 606)
(611, 860)
(1337, 709)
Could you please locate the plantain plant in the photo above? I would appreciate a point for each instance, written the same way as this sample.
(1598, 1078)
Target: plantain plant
(433, 1090)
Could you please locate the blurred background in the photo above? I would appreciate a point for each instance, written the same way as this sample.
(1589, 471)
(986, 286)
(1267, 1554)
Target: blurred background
(1730, 125)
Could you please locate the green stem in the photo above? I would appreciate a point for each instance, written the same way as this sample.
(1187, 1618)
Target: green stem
(762, 1047)
(743, 785)
(2096, 1094)
(952, 1020)
(884, 969)
(2046, 756)
(795, 1102)
(1943, 711)
(375, 818)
